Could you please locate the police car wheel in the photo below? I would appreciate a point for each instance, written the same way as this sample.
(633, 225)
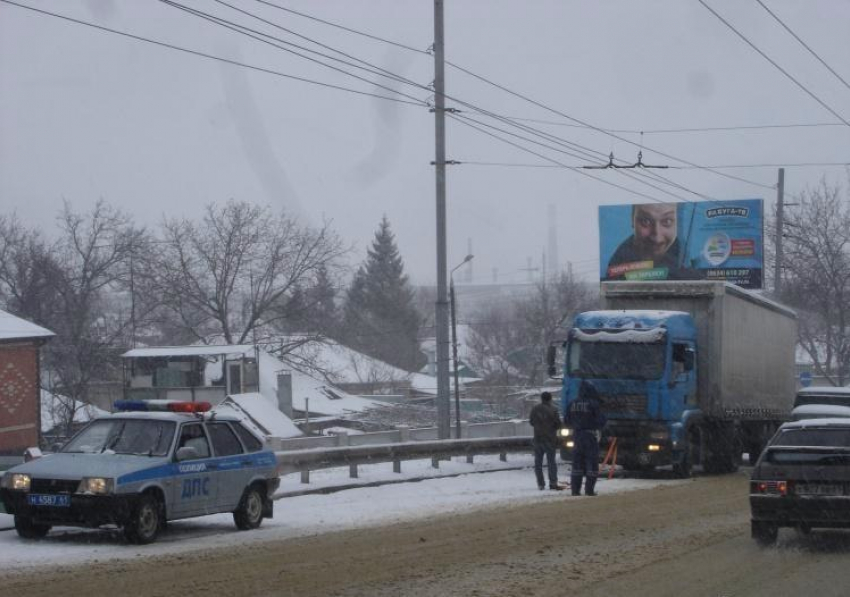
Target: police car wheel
(249, 514)
(27, 529)
(145, 521)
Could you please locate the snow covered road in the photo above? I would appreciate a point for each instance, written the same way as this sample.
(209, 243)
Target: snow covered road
(313, 514)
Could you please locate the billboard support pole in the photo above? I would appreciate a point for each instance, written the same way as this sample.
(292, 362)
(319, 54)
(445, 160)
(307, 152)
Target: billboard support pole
(780, 223)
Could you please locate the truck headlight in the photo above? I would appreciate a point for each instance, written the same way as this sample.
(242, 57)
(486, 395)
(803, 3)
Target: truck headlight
(16, 481)
(565, 432)
(654, 448)
(95, 485)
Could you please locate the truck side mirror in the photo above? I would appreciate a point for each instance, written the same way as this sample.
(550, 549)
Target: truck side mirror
(552, 362)
(689, 359)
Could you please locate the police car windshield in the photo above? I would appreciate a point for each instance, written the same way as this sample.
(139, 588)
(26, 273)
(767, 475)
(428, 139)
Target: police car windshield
(124, 436)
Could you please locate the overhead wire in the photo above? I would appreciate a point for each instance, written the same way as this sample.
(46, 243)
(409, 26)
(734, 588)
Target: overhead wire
(198, 53)
(552, 160)
(704, 129)
(462, 118)
(804, 44)
(505, 89)
(774, 63)
(716, 167)
(383, 72)
(258, 35)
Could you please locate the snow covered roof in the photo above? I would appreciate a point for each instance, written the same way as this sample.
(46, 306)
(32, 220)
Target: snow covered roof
(190, 351)
(15, 328)
(325, 399)
(259, 414)
(346, 365)
(427, 384)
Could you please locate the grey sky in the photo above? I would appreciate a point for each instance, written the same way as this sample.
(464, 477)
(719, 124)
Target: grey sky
(86, 114)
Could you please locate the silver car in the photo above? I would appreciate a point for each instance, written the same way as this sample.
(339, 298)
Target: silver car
(138, 470)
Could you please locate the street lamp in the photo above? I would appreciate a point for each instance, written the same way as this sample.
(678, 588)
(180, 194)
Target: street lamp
(466, 260)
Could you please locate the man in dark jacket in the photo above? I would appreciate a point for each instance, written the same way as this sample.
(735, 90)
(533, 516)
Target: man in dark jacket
(546, 421)
(586, 420)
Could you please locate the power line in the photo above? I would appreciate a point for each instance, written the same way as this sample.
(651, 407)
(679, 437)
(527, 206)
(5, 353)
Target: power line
(704, 129)
(383, 72)
(342, 27)
(598, 129)
(811, 51)
(461, 118)
(773, 62)
(518, 146)
(718, 167)
(211, 56)
(587, 125)
(243, 30)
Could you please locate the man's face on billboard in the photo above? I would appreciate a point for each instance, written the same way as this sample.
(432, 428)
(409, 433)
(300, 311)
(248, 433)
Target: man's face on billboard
(655, 228)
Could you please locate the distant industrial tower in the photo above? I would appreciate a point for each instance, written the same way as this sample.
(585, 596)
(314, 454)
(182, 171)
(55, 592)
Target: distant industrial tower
(469, 276)
(554, 267)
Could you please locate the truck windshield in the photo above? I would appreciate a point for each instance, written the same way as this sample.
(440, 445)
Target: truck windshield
(616, 360)
(124, 436)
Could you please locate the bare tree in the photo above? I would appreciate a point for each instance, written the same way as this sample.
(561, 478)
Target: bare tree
(816, 277)
(508, 343)
(229, 274)
(73, 286)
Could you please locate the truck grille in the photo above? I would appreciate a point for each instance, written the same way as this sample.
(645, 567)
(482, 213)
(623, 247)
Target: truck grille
(54, 485)
(624, 404)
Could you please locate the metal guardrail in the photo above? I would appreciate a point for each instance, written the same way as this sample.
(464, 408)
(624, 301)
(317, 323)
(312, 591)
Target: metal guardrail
(307, 460)
(314, 453)
(514, 428)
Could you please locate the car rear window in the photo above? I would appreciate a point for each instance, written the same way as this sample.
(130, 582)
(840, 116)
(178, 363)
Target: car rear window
(224, 440)
(836, 437)
(252, 444)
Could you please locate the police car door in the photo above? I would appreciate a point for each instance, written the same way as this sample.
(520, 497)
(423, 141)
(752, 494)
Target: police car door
(196, 484)
(234, 467)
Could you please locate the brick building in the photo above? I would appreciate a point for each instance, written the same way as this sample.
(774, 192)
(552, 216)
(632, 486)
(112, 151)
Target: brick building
(20, 403)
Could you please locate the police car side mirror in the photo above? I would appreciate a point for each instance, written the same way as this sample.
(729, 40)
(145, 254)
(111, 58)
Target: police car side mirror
(187, 453)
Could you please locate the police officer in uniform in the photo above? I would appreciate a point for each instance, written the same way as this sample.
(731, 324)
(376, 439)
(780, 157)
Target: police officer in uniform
(546, 421)
(586, 420)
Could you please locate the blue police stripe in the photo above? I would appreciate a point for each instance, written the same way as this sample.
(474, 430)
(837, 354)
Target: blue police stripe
(191, 467)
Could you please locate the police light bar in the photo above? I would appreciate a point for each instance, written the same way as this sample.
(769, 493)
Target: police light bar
(161, 406)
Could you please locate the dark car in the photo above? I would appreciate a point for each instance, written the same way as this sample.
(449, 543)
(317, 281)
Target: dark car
(802, 479)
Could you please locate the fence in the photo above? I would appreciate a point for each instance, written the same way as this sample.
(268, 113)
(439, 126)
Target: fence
(304, 454)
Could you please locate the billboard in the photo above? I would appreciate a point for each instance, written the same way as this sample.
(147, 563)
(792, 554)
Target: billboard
(703, 240)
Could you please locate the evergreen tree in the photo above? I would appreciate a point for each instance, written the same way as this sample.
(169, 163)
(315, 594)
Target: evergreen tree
(322, 295)
(380, 318)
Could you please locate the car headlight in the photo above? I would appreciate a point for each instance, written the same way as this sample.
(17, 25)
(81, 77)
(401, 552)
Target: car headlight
(16, 481)
(96, 485)
(565, 432)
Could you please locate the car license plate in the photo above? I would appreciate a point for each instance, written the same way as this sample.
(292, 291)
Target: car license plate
(819, 489)
(42, 499)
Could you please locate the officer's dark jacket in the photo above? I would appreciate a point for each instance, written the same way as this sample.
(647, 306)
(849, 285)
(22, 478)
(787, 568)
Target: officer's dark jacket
(546, 421)
(584, 413)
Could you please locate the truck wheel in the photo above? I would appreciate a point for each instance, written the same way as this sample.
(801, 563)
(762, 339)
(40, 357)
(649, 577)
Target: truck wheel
(249, 514)
(27, 529)
(145, 521)
(764, 533)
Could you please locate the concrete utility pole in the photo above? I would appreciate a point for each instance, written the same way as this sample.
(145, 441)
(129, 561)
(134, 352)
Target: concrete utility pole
(780, 223)
(442, 319)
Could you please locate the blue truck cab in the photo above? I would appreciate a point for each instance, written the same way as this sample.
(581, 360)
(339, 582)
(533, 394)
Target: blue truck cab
(642, 365)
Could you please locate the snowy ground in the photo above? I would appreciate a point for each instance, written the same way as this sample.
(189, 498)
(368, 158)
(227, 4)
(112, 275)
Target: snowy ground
(315, 514)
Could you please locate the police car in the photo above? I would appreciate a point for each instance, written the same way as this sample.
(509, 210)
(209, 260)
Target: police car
(150, 462)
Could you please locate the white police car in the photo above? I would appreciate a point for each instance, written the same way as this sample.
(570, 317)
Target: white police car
(150, 462)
